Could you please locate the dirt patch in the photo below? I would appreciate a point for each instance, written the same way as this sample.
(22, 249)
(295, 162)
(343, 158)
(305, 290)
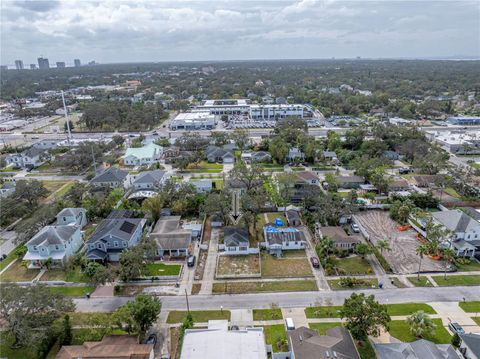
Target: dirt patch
(402, 257)
(202, 259)
(238, 265)
(289, 267)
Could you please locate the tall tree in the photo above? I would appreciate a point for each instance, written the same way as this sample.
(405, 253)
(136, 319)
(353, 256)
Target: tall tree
(240, 138)
(154, 206)
(144, 311)
(421, 250)
(134, 261)
(30, 191)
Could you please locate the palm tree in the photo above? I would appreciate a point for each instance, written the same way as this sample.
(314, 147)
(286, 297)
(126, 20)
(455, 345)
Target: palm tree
(421, 325)
(448, 255)
(421, 251)
(383, 245)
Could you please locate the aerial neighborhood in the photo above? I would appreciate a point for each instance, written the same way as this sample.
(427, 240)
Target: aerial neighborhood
(266, 209)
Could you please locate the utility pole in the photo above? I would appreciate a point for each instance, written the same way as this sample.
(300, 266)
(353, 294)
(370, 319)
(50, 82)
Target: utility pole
(66, 118)
(186, 297)
(93, 157)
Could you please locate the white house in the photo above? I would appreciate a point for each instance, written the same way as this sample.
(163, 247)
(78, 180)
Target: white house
(7, 189)
(112, 178)
(294, 153)
(148, 180)
(236, 240)
(203, 185)
(31, 158)
(56, 242)
(72, 216)
(146, 155)
(466, 230)
(280, 239)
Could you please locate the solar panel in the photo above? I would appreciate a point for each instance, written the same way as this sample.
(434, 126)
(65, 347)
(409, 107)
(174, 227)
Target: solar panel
(127, 227)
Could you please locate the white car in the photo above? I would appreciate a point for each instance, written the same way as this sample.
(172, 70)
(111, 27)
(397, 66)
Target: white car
(355, 228)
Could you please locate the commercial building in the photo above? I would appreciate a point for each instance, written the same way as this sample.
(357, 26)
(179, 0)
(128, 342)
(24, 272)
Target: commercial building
(224, 107)
(459, 143)
(43, 63)
(275, 112)
(193, 121)
(464, 120)
(19, 64)
(77, 62)
(60, 65)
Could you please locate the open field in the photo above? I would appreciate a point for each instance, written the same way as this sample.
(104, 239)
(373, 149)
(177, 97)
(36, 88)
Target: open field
(401, 330)
(354, 265)
(199, 316)
(402, 258)
(255, 287)
(285, 267)
(238, 265)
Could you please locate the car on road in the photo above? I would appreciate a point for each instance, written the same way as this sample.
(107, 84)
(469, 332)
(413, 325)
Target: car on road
(191, 261)
(355, 228)
(35, 137)
(152, 339)
(315, 262)
(154, 133)
(456, 328)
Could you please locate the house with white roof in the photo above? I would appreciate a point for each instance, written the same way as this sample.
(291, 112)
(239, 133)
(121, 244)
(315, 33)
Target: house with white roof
(145, 155)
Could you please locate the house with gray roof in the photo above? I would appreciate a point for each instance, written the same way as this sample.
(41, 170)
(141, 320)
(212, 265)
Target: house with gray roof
(148, 180)
(349, 182)
(72, 216)
(295, 153)
(7, 189)
(330, 156)
(236, 240)
(56, 242)
(112, 178)
(279, 239)
(28, 159)
(470, 346)
(420, 349)
(202, 185)
(220, 154)
(306, 343)
(293, 218)
(338, 236)
(171, 238)
(112, 236)
(466, 231)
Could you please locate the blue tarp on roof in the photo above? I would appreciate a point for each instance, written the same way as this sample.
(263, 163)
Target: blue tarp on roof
(279, 222)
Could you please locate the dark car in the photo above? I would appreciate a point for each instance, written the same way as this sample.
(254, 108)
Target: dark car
(152, 339)
(315, 262)
(191, 261)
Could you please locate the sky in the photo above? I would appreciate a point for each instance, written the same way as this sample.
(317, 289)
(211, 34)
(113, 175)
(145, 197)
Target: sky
(140, 31)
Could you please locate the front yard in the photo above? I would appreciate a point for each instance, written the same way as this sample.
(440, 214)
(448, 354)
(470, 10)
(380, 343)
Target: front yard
(199, 316)
(322, 328)
(256, 287)
(18, 273)
(354, 283)
(276, 336)
(161, 269)
(75, 276)
(238, 265)
(267, 314)
(401, 330)
(205, 167)
(420, 282)
(354, 265)
(73, 291)
(409, 308)
(287, 267)
(331, 311)
(470, 307)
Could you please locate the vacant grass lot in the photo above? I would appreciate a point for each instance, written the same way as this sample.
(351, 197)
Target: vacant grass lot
(401, 330)
(199, 316)
(472, 266)
(366, 283)
(267, 314)
(285, 267)
(238, 265)
(160, 269)
(353, 266)
(73, 291)
(53, 186)
(205, 167)
(422, 282)
(254, 287)
(323, 312)
(18, 273)
(409, 308)
(323, 327)
(130, 289)
(470, 307)
(75, 275)
(277, 337)
(457, 280)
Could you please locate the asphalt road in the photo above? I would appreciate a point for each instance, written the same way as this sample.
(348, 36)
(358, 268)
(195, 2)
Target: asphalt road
(290, 300)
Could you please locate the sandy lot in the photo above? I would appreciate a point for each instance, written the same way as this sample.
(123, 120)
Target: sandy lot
(402, 258)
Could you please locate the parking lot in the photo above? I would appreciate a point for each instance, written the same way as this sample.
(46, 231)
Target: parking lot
(402, 257)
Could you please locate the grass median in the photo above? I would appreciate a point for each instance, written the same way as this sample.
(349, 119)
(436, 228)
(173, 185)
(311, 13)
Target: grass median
(455, 280)
(470, 307)
(257, 287)
(199, 316)
(267, 314)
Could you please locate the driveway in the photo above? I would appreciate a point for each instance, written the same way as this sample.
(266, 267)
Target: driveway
(210, 265)
(322, 283)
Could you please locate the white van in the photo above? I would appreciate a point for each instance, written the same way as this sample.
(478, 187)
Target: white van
(289, 324)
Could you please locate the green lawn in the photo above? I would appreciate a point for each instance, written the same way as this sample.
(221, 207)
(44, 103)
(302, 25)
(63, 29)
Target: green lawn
(409, 308)
(73, 291)
(277, 337)
(366, 284)
(267, 314)
(199, 316)
(365, 349)
(18, 273)
(274, 215)
(470, 307)
(323, 327)
(353, 266)
(473, 266)
(397, 283)
(89, 319)
(254, 287)
(159, 269)
(457, 280)
(401, 330)
(75, 276)
(6, 341)
(422, 282)
(8, 260)
(450, 191)
(323, 312)
(476, 320)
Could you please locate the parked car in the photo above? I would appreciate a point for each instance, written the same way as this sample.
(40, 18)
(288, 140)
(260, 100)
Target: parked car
(152, 339)
(191, 261)
(289, 324)
(355, 228)
(456, 328)
(315, 262)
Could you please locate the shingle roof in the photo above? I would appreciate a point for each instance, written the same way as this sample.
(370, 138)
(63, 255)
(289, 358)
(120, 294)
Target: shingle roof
(50, 235)
(148, 151)
(350, 179)
(68, 212)
(338, 235)
(235, 236)
(111, 175)
(168, 234)
(122, 228)
(307, 176)
(472, 212)
(284, 236)
(472, 341)
(455, 220)
(149, 177)
(420, 349)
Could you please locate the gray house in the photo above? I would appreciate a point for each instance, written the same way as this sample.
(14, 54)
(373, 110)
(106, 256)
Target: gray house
(236, 240)
(349, 182)
(112, 177)
(31, 158)
(112, 236)
(295, 154)
(293, 218)
(72, 216)
(148, 180)
(420, 349)
(219, 154)
(470, 346)
(171, 238)
(7, 189)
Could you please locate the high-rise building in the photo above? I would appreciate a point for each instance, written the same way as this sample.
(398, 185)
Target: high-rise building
(60, 65)
(19, 64)
(77, 62)
(33, 67)
(43, 64)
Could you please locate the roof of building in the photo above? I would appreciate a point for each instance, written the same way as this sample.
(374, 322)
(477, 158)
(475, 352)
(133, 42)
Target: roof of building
(425, 180)
(329, 154)
(50, 235)
(122, 228)
(307, 176)
(350, 179)
(472, 341)
(169, 234)
(112, 346)
(292, 214)
(235, 236)
(217, 342)
(110, 175)
(33, 152)
(338, 235)
(154, 176)
(399, 183)
(472, 212)
(71, 212)
(455, 220)
(281, 235)
(305, 343)
(420, 349)
(8, 185)
(150, 150)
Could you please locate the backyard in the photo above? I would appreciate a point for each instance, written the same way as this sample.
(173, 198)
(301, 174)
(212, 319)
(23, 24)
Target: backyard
(238, 265)
(286, 267)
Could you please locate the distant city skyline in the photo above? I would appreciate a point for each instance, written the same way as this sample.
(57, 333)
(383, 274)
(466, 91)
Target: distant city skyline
(151, 31)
